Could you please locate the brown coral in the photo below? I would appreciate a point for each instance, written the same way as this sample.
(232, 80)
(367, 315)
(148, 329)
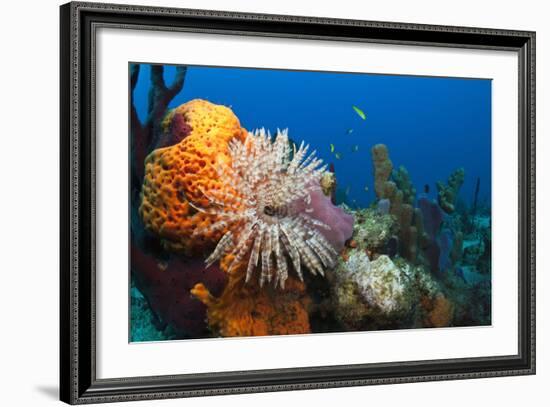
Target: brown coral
(408, 234)
(249, 310)
(179, 174)
(439, 311)
(403, 182)
(382, 170)
(408, 219)
(446, 194)
(328, 184)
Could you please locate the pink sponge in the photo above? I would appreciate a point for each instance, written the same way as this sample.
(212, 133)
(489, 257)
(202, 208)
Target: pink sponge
(341, 223)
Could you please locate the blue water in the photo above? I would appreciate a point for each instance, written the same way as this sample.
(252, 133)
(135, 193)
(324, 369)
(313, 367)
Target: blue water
(431, 125)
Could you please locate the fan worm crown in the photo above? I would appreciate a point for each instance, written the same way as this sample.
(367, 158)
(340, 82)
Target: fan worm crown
(264, 204)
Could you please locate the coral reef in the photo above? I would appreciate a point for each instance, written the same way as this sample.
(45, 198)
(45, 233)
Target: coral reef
(263, 212)
(145, 135)
(431, 215)
(328, 184)
(382, 170)
(374, 294)
(143, 321)
(408, 233)
(443, 247)
(178, 176)
(373, 229)
(433, 218)
(456, 251)
(162, 306)
(383, 206)
(339, 222)
(469, 221)
(403, 182)
(477, 251)
(167, 284)
(446, 194)
(439, 311)
(266, 206)
(250, 310)
(445, 243)
(210, 182)
(401, 201)
(379, 282)
(218, 178)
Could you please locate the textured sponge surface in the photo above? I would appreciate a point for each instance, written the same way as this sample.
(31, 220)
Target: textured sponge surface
(178, 174)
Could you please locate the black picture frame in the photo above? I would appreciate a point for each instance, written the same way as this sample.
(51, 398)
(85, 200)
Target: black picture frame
(78, 382)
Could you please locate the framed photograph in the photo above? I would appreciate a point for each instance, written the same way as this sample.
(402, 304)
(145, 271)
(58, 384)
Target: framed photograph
(256, 203)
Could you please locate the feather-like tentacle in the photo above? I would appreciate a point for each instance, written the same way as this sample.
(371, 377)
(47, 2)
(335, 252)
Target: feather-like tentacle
(262, 183)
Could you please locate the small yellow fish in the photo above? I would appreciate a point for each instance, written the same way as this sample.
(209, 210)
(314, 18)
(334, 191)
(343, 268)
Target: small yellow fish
(349, 131)
(332, 148)
(366, 189)
(361, 114)
(338, 156)
(355, 148)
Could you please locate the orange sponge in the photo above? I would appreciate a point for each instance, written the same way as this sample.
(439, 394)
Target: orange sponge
(251, 310)
(177, 174)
